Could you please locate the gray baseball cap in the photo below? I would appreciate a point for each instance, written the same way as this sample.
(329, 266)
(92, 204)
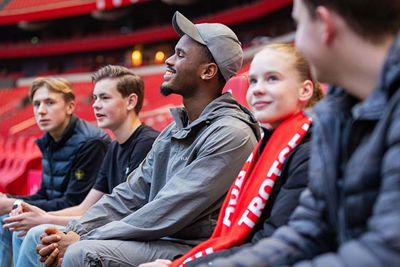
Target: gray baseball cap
(219, 39)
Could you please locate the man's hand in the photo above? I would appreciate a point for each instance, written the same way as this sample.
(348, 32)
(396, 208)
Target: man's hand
(48, 245)
(30, 217)
(156, 263)
(53, 245)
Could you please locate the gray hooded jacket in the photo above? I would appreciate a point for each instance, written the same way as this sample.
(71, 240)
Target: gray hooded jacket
(176, 192)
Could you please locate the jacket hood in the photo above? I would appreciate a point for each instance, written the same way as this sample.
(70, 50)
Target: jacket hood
(224, 105)
(389, 79)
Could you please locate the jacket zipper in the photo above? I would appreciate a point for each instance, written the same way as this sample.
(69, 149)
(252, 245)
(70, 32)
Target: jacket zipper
(50, 151)
(342, 216)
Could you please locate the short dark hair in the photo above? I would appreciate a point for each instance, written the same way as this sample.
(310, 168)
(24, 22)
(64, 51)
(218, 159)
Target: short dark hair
(369, 18)
(128, 82)
(209, 58)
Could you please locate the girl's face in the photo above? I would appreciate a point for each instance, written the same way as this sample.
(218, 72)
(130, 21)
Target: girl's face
(274, 88)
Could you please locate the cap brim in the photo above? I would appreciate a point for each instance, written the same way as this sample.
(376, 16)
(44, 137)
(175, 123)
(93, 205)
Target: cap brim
(184, 26)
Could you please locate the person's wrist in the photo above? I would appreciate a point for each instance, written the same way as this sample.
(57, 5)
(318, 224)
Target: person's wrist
(16, 204)
(74, 234)
(47, 218)
(74, 237)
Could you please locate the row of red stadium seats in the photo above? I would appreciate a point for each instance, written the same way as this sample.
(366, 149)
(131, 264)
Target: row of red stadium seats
(19, 158)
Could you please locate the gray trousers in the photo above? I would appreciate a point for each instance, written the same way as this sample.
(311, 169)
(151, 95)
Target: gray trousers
(120, 253)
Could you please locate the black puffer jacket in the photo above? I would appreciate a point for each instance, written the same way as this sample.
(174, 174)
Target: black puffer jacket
(350, 213)
(80, 149)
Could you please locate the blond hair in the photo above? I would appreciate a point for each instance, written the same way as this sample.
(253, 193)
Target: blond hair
(302, 67)
(58, 85)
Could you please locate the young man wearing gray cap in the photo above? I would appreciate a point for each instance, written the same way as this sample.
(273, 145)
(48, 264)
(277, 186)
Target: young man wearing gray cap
(170, 202)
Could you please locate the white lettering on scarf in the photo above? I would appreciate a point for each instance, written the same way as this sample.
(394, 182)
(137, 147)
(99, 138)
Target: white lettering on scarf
(198, 255)
(230, 209)
(257, 204)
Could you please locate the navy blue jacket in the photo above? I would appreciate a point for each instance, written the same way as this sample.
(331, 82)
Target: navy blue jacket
(70, 165)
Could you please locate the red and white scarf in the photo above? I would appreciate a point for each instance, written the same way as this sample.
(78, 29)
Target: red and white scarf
(249, 194)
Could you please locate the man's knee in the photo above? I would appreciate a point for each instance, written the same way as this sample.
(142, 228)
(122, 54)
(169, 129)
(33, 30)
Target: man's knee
(73, 254)
(17, 240)
(81, 253)
(35, 232)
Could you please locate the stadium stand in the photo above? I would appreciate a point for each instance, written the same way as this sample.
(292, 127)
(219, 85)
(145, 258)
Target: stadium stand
(10, 99)
(19, 158)
(149, 35)
(33, 45)
(13, 11)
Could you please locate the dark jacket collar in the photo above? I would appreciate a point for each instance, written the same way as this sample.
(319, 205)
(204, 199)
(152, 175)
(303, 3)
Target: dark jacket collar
(224, 105)
(48, 140)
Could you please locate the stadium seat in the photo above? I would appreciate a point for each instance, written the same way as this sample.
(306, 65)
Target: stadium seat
(237, 86)
(21, 156)
(33, 181)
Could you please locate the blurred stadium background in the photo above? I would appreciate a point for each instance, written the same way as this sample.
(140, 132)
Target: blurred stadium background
(73, 38)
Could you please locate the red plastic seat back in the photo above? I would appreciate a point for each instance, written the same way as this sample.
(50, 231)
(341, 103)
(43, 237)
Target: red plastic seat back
(238, 86)
(34, 179)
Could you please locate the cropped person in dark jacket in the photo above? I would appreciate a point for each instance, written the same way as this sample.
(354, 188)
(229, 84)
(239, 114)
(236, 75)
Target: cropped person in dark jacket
(280, 89)
(72, 152)
(350, 213)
